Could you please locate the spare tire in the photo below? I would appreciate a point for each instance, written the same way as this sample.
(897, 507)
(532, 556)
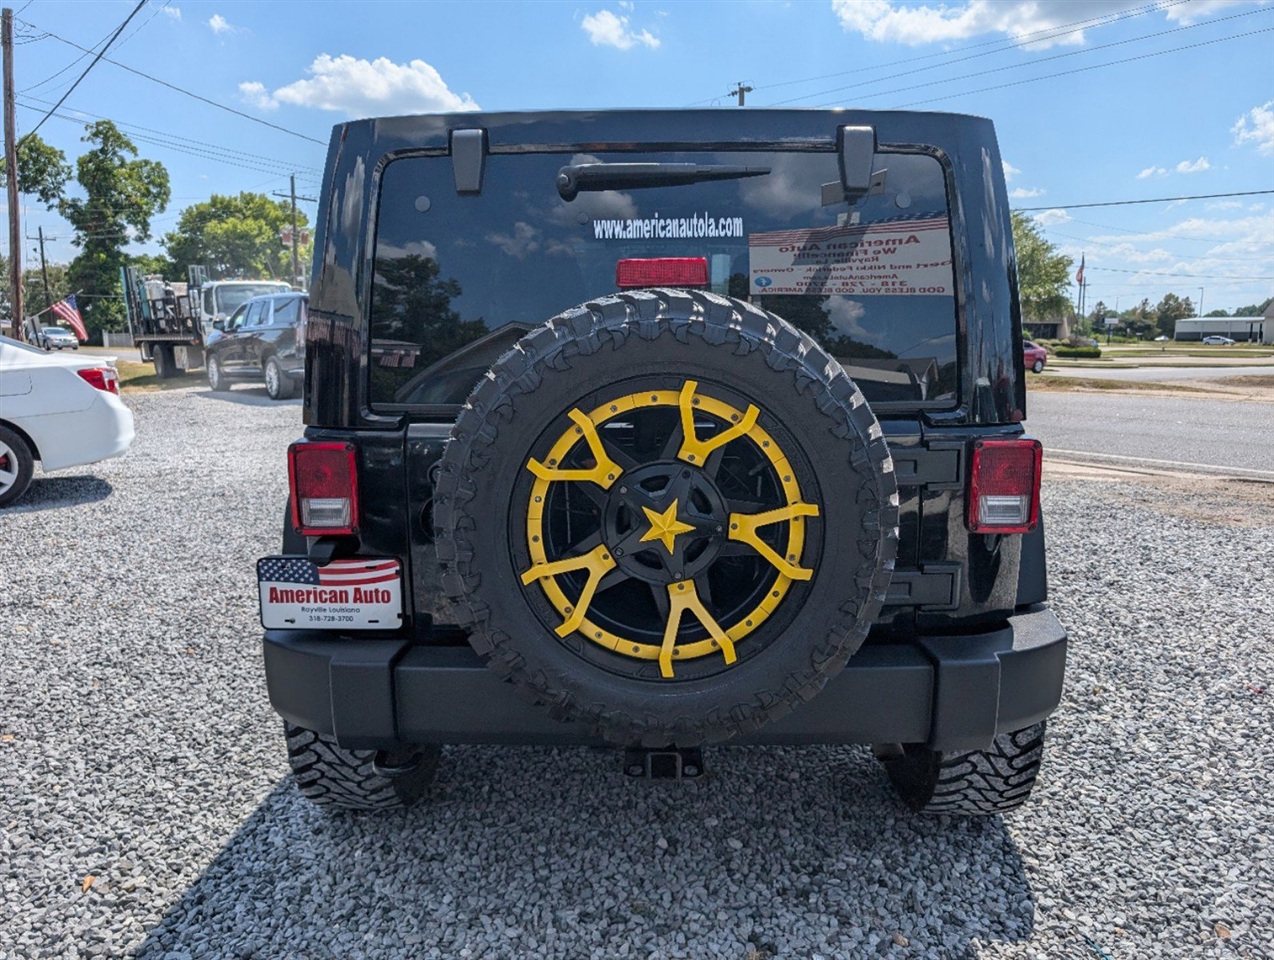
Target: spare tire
(667, 515)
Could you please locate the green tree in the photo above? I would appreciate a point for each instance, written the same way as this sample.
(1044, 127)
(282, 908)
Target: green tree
(122, 194)
(236, 236)
(1171, 309)
(1140, 321)
(42, 171)
(1254, 309)
(1217, 313)
(1043, 274)
(34, 300)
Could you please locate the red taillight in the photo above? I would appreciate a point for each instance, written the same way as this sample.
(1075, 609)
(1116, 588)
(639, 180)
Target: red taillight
(104, 378)
(324, 482)
(1004, 490)
(662, 272)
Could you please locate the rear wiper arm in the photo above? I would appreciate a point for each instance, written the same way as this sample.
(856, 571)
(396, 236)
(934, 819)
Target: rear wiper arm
(629, 176)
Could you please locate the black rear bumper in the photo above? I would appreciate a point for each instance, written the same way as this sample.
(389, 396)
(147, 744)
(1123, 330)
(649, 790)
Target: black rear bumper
(951, 692)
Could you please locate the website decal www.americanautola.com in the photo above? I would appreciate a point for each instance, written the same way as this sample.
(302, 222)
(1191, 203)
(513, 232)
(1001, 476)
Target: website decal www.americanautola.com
(668, 228)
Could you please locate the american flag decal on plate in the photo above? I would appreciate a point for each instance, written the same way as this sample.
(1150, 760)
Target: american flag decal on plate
(363, 593)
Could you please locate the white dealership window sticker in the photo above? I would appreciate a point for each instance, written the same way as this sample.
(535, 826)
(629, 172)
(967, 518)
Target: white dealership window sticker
(894, 258)
(357, 594)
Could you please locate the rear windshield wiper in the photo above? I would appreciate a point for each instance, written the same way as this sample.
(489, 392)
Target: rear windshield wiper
(629, 176)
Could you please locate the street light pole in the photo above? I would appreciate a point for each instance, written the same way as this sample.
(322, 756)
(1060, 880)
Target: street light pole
(1200, 301)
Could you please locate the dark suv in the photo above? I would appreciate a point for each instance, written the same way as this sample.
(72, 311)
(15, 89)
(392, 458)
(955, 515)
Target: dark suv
(664, 429)
(264, 342)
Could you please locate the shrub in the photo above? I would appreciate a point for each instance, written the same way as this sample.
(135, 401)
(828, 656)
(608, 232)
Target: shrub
(1078, 353)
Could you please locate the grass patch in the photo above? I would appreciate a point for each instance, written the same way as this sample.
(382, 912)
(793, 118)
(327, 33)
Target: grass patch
(1082, 384)
(134, 375)
(1251, 380)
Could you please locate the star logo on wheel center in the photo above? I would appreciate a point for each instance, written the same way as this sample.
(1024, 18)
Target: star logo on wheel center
(664, 526)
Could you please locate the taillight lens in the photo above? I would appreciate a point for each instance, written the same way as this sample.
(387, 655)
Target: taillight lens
(104, 378)
(662, 272)
(1004, 490)
(324, 483)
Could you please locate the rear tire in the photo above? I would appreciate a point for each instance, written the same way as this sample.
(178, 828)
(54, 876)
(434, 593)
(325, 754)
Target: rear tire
(16, 466)
(969, 782)
(278, 384)
(165, 364)
(332, 776)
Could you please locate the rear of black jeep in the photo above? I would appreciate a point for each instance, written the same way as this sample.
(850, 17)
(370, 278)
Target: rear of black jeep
(663, 429)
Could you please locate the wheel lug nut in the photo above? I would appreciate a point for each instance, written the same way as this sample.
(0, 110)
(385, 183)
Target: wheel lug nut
(618, 552)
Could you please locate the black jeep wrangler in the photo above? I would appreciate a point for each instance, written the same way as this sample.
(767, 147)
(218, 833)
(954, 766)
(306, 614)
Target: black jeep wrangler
(663, 429)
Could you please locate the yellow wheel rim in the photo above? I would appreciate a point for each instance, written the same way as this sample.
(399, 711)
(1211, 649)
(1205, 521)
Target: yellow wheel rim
(665, 526)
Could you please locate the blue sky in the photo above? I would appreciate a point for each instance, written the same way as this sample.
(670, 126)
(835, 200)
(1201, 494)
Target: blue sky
(1173, 122)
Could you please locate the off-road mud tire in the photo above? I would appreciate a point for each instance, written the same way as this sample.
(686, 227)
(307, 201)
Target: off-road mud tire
(333, 776)
(970, 782)
(606, 339)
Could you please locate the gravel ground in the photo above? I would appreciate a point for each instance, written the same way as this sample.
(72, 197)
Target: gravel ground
(137, 749)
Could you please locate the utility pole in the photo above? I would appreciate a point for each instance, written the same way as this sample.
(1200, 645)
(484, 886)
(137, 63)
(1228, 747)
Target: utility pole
(1200, 301)
(44, 272)
(11, 175)
(741, 91)
(296, 235)
(296, 265)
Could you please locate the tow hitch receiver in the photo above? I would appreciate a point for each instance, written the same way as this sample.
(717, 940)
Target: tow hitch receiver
(668, 763)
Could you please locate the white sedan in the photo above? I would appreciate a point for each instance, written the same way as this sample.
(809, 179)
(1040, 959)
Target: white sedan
(60, 410)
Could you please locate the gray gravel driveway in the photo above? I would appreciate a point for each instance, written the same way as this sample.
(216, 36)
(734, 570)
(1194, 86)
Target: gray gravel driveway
(137, 748)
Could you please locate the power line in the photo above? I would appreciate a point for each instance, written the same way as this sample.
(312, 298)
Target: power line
(1192, 276)
(1148, 238)
(198, 143)
(205, 151)
(1014, 66)
(182, 90)
(1006, 43)
(1124, 203)
(1199, 256)
(1096, 66)
(100, 54)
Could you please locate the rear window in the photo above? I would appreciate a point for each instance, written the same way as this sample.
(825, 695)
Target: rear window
(457, 279)
(231, 298)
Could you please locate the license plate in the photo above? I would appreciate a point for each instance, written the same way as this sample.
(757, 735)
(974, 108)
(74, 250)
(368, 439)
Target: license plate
(360, 594)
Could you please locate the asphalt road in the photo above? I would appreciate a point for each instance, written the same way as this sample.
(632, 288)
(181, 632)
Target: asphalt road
(1212, 432)
(1160, 374)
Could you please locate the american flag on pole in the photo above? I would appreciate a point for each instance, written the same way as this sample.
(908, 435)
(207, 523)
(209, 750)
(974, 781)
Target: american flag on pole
(1079, 277)
(68, 311)
(338, 573)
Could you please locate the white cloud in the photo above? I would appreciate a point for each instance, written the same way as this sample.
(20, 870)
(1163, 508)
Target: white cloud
(1022, 193)
(1046, 20)
(1256, 126)
(607, 29)
(220, 24)
(523, 241)
(1196, 166)
(1152, 171)
(363, 88)
(1010, 171)
(1052, 217)
(173, 13)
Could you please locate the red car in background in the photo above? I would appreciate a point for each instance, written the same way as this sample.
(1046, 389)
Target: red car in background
(1035, 355)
